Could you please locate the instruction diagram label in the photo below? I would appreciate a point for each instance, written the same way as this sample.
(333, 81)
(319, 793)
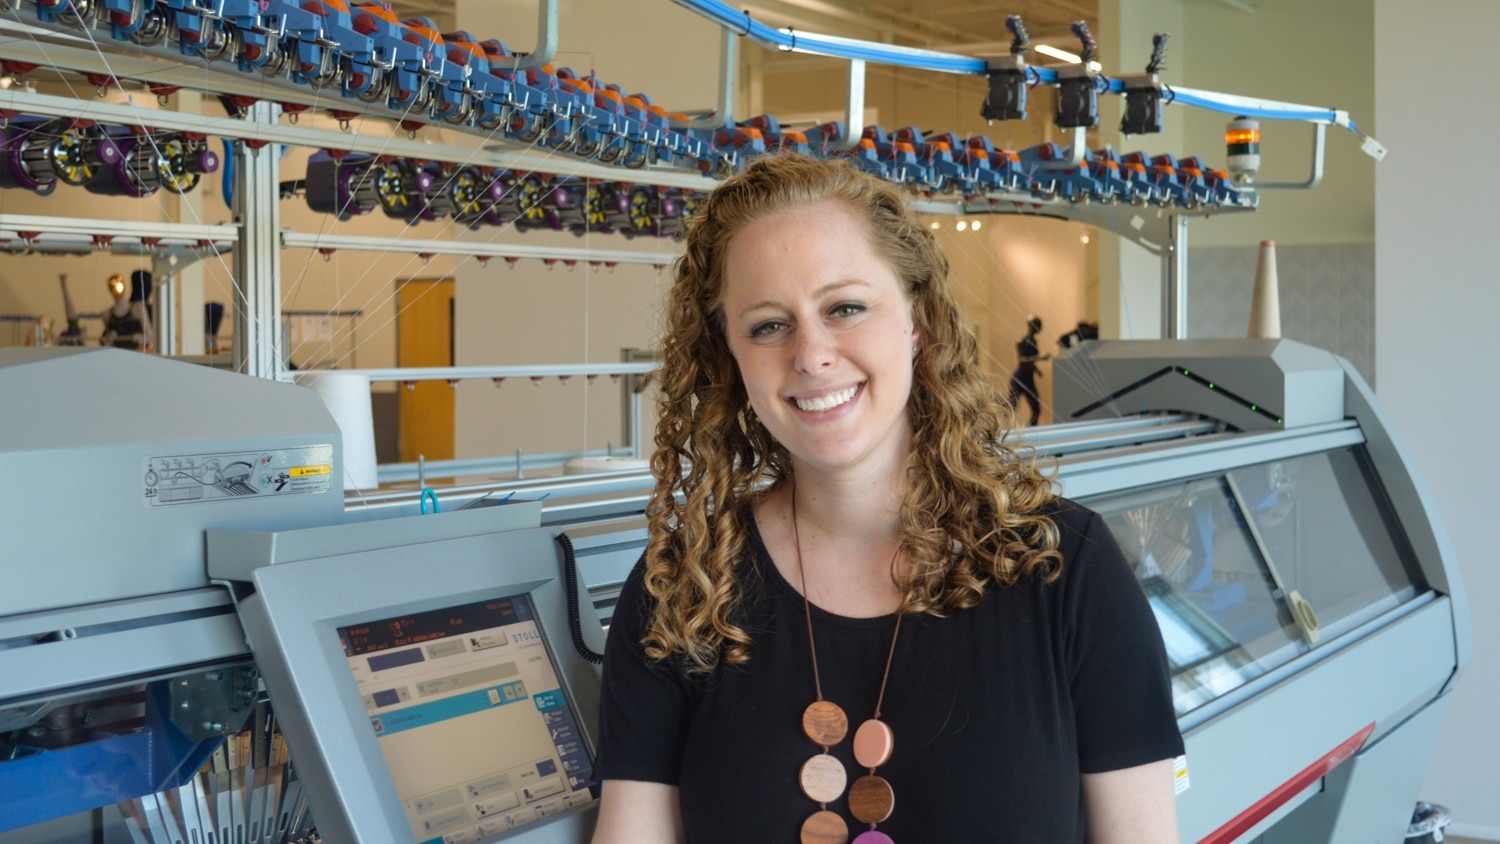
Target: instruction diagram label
(195, 478)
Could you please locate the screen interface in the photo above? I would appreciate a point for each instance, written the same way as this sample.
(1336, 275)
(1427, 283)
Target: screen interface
(468, 711)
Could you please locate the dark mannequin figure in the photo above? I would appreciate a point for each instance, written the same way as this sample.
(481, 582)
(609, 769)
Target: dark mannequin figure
(1023, 380)
(127, 325)
(1084, 331)
(73, 334)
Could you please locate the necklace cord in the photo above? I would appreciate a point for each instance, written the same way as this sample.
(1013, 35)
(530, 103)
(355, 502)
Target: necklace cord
(807, 602)
(807, 610)
(889, 658)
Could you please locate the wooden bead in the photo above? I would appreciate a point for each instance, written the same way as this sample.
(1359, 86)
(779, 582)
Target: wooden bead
(823, 778)
(873, 743)
(871, 799)
(825, 723)
(872, 836)
(825, 828)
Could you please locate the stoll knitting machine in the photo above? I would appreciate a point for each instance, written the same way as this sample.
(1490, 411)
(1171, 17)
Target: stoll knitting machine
(201, 641)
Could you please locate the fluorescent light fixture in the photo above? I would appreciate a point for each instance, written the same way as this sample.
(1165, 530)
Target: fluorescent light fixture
(1054, 52)
(1064, 55)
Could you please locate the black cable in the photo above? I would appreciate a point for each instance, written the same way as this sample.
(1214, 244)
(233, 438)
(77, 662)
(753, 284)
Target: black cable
(570, 580)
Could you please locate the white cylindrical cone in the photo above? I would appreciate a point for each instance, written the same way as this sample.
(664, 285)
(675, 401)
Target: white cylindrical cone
(347, 396)
(1265, 303)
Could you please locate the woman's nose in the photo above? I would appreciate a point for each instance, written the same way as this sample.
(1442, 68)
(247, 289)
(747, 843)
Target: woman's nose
(815, 350)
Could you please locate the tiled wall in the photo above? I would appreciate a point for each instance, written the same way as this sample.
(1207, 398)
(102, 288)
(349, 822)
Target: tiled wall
(1327, 296)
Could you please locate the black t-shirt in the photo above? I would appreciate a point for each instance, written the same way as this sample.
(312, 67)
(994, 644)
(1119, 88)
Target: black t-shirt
(1027, 351)
(996, 710)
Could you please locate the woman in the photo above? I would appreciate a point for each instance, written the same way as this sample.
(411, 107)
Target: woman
(840, 534)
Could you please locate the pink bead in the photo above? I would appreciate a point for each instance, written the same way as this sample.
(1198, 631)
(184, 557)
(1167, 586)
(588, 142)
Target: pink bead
(874, 836)
(873, 744)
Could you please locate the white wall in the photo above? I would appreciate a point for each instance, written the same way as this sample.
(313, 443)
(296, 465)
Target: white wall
(1436, 301)
(1313, 53)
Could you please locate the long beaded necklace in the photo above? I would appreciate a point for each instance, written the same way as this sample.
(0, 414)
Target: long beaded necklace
(871, 799)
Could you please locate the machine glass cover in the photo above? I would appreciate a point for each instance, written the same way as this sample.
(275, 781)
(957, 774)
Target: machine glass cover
(468, 711)
(1213, 597)
(1329, 536)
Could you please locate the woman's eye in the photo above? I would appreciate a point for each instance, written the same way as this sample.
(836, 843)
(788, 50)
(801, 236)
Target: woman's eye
(766, 329)
(847, 309)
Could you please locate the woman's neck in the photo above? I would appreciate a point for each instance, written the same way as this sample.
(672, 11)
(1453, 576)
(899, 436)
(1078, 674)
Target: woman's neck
(840, 536)
(847, 509)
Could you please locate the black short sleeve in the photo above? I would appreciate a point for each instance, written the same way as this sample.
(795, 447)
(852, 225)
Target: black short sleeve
(1118, 674)
(644, 708)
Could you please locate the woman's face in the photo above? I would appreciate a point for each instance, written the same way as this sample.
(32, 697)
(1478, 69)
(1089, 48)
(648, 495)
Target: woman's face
(824, 338)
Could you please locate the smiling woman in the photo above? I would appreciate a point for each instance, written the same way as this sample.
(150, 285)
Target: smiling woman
(839, 531)
(822, 333)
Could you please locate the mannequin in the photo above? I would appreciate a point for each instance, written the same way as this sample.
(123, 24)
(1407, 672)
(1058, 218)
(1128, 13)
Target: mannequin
(73, 334)
(1023, 379)
(127, 325)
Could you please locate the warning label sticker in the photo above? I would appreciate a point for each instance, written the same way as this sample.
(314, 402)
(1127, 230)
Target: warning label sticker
(197, 478)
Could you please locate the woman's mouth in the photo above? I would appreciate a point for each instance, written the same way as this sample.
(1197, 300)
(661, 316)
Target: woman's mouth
(821, 404)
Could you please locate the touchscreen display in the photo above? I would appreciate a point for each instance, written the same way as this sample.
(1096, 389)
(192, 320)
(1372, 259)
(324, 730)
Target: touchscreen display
(467, 709)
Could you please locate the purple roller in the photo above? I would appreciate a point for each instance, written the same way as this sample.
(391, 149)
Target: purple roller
(873, 836)
(208, 161)
(108, 152)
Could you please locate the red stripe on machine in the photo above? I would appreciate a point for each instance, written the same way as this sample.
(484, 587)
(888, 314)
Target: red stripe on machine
(1263, 807)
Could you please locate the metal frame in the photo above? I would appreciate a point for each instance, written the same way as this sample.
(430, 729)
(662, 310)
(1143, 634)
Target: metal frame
(471, 249)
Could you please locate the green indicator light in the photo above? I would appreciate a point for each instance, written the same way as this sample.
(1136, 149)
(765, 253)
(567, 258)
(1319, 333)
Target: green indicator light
(1210, 385)
(1253, 407)
(1186, 372)
(1278, 421)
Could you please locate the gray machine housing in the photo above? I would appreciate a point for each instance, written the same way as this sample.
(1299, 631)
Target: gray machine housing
(79, 429)
(1252, 385)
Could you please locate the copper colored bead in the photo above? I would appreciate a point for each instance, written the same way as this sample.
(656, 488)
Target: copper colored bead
(825, 723)
(825, 828)
(871, 799)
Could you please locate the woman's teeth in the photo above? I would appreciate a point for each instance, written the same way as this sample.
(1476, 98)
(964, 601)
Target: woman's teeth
(828, 402)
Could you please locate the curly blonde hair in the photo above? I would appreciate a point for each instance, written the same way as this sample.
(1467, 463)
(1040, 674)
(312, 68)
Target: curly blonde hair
(972, 509)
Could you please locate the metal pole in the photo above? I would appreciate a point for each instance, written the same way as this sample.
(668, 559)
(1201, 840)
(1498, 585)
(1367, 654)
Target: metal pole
(257, 264)
(168, 320)
(854, 109)
(1175, 280)
(723, 113)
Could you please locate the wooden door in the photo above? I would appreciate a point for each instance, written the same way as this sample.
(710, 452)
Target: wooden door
(424, 337)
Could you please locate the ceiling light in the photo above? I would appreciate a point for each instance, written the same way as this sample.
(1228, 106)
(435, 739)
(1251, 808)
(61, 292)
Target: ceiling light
(976, 225)
(1085, 238)
(1064, 55)
(936, 225)
(962, 225)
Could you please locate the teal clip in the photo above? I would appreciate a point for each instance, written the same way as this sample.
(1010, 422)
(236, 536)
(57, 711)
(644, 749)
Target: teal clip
(429, 494)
